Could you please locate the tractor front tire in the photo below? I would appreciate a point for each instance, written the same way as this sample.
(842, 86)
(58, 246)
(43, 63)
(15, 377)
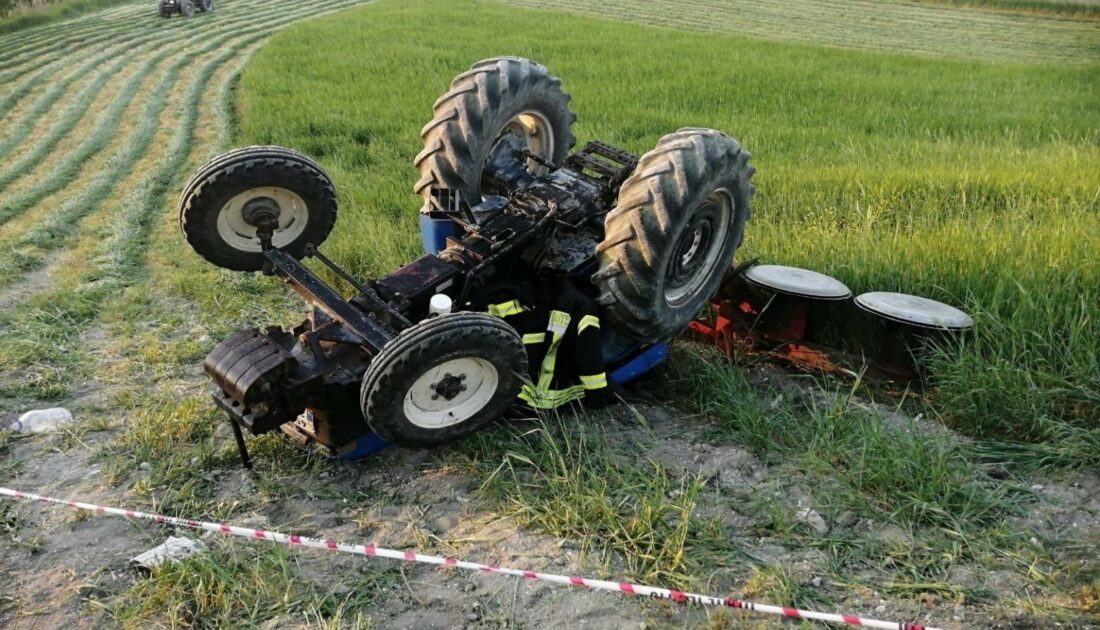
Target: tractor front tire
(216, 203)
(672, 234)
(443, 379)
(187, 8)
(206, 6)
(498, 96)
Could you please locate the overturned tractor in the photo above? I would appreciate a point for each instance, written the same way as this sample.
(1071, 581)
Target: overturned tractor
(547, 273)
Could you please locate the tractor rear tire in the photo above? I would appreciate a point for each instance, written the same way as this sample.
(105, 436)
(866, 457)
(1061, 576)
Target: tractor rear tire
(443, 379)
(162, 10)
(672, 234)
(215, 201)
(495, 96)
(187, 8)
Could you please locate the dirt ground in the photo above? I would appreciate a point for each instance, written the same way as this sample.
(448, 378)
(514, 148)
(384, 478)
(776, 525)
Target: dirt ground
(58, 563)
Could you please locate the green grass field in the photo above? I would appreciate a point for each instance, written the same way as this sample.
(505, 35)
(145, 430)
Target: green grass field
(946, 150)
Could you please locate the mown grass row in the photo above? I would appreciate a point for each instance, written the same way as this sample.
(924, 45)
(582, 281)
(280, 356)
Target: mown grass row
(67, 169)
(57, 56)
(125, 32)
(1072, 8)
(54, 49)
(45, 333)
(897, 26)
(65, 120)
(78, 108)
(55, 37)
(54, 13)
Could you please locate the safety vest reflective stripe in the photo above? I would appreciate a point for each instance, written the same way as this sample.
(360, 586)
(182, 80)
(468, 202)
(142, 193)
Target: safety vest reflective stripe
(549, 399)
(506, 309)
(586, 321)
(534, 338)
(559, 322)
(595, 381)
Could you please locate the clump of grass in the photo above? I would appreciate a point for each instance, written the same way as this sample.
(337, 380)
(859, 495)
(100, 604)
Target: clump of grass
(894, 472)
(559, 479)
(235, 585)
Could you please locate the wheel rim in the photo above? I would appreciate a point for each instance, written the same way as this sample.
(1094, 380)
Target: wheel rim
(235, 229)
(450, 393)
(698, 248)
(528, 130)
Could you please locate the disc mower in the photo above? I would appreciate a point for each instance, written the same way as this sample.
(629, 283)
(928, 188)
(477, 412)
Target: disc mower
(417, 358)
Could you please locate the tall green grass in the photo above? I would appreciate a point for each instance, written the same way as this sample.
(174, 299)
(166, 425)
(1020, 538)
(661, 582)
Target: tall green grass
(974, 183)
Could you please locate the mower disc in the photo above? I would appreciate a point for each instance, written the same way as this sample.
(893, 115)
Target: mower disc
(225, 201)
(443, 379)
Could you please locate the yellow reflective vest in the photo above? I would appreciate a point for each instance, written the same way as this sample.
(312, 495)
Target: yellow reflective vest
(563, 341)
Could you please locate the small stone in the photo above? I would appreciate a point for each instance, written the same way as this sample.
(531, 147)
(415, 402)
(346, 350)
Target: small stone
(144, 466)
(816, 582)
(1037, 487)
(881, 608)
(814, 520)
(469, 587)
(471, 617)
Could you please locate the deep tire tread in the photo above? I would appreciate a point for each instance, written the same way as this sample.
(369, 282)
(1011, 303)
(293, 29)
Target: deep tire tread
(467, 118)
(668, 182)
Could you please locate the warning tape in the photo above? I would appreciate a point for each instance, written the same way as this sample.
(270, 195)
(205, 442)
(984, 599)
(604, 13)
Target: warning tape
(294, 540)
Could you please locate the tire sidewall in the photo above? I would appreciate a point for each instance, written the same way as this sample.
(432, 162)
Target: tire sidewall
(383, 393)
(215, 192)
(538, 100)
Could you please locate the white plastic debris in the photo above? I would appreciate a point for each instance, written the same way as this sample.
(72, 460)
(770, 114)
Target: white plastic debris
(814, 520)
(42, 420)
(174, 549)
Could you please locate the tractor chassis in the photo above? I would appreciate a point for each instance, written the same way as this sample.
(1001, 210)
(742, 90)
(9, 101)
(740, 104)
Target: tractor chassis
(263, 380)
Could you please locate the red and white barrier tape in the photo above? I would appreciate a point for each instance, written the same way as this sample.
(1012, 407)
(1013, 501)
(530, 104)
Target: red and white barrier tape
(411, 556)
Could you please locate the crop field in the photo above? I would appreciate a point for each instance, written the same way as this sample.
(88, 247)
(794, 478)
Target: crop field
(948, 149)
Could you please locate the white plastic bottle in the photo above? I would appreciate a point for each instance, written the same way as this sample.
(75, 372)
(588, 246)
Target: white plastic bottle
(440, 304)
(42, 420)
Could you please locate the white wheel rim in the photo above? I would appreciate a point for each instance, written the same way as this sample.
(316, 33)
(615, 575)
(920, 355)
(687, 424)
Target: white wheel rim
(425, 407)
(240, 235)
(723, 200)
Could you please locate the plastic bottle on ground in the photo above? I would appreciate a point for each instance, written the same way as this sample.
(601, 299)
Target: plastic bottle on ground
(42, 420)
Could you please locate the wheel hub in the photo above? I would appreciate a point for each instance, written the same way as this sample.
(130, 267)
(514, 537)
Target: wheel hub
(281, 210)
(698, 248)
(260, 211)
(449, 386)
